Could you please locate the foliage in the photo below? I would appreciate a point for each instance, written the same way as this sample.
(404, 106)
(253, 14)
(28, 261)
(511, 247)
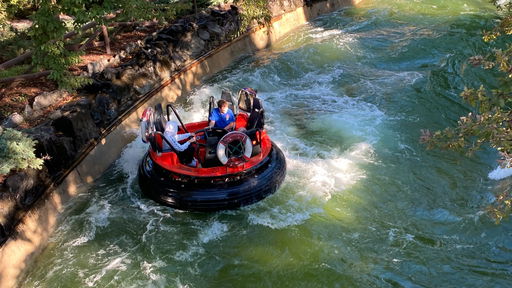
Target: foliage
(48, 43)
(490, 121)
(218, 2)
(3, 13)
(502, 206)
(13, 71)
(13, 43)
(491, 118)
(18, 8)
(17, 151)
(253, 11)
(48, 30)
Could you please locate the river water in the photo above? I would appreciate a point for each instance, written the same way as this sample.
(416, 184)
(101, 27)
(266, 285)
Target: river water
(363, 204)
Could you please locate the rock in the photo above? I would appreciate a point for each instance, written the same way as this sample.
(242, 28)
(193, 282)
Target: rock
(98, 66)
(97, 86)
(197, 47)
(214, 28)
(233, 10)
(27, 186)
(132, 47)
(176, 29)
(91, 68)
(57, 148)
(123, 54)
(110, 73)
(144, 88)
(203, 34)
(14, 120)
(112, 113)
(48, 98)
(83, 103)
(28, 112)
(164, 37)
(218, 13)
(178, 59)
(164, 67)
(105, 109)
(77, 124)
(55, 114)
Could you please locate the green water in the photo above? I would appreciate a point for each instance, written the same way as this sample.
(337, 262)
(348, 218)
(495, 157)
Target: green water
(363, 204)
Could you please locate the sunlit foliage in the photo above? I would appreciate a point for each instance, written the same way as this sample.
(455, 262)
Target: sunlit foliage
(254, 12)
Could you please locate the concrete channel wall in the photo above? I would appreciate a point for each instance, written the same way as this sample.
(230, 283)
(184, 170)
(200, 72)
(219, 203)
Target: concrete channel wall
(20, 251)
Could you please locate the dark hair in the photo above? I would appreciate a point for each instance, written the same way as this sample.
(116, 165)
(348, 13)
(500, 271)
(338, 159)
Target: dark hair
(222, 102)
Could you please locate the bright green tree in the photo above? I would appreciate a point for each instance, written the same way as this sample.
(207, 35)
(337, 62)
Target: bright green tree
(17, 151)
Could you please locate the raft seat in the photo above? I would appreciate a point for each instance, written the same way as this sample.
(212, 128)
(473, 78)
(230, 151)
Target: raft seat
(241, 121)
(155, 140)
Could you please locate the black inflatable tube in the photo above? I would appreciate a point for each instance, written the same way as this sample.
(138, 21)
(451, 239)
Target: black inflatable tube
(213, 193)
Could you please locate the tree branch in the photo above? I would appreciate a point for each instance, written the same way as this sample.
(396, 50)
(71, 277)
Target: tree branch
(25, 77)
(89, 41)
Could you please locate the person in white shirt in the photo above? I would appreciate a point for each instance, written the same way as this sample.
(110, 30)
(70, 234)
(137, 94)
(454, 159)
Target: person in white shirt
(184, 151)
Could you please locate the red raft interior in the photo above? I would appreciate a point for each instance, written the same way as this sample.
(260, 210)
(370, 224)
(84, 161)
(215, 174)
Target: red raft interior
(169, 160)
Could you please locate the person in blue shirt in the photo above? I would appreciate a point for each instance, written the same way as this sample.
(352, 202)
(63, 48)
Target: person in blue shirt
(222, 116)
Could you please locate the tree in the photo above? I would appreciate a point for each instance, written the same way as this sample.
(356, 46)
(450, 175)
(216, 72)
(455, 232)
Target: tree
(17, 151)
(490, 121)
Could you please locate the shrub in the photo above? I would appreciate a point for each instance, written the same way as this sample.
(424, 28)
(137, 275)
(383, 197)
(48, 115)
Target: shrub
(254, 11)
(17, 151)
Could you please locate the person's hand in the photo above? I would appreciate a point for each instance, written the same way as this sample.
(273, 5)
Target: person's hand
(192, 140)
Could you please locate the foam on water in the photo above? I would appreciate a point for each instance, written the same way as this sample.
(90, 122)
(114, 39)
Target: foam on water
(188, 255)
(310, 183)
(322, 177)
(149, 269)
(131, 155)
(500, 173)
(207, 232)
(213, 232)
(290, 214)
(97, 216)
(116, 264)
(197, 103)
